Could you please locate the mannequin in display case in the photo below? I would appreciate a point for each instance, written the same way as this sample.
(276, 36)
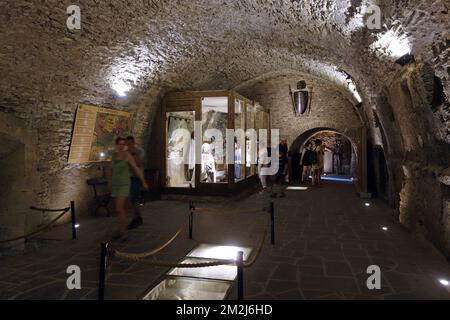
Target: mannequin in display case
(208, 164)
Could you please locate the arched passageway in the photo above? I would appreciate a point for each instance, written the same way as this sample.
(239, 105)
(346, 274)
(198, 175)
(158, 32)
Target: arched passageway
(340, 153)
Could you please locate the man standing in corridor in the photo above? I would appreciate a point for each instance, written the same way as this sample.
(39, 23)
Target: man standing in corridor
(135, 189)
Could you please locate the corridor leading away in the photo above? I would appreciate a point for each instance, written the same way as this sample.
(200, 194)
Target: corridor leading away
(325, 239)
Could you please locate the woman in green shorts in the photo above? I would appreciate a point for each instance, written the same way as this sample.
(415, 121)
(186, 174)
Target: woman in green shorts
(119, 182)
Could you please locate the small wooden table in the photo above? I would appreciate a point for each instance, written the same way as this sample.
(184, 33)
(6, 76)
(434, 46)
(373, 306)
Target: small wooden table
(101, 201)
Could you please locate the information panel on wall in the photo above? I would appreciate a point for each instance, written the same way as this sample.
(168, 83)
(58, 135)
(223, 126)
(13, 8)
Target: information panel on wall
(95, 131)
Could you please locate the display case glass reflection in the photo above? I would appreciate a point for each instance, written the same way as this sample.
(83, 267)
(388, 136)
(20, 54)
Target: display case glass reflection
(214, 168)
(216, 111)
(180, 159)
(239, 140)
(250, 140)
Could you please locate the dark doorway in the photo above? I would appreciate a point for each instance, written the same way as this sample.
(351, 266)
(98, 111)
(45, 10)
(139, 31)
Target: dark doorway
(381, 174)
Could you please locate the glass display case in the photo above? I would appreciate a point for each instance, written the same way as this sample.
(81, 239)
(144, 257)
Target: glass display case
(180, 157)
(225, 125)
(214, 126)
(181, 288)
(239, 140)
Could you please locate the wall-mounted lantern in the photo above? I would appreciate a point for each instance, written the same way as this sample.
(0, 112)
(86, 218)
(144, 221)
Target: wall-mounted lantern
(301, 98)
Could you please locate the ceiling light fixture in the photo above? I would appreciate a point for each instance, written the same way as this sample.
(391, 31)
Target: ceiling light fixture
(392, 44)
(121, 88)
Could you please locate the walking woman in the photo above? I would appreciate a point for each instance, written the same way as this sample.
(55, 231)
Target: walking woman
(317, 161)
(305, 161)
(119, 182)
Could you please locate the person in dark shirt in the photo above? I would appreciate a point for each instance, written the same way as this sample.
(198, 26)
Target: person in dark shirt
(305, 161)
(280, 176)
(283, 147)
(136, 186)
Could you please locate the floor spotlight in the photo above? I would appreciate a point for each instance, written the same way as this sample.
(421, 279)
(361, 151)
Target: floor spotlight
(367, 204)
(77, 225)
(444, 282)
(385, 228)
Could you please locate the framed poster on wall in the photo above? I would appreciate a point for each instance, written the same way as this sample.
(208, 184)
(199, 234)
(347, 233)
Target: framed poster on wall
(95, 131)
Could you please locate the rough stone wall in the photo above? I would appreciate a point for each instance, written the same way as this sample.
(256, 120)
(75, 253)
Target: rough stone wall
(424, 158)
(18, 162)
(51, 118)
(329, 108)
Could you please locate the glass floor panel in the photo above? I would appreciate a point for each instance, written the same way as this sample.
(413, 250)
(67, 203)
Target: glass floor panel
(211, 251)
(178, 288)
(228, 272)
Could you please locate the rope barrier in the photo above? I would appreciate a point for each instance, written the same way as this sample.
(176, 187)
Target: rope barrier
(204, 210)
(261, 242)
(49, 210)
(259, 249)
(136, 256)
(40, 230)
(157, 263)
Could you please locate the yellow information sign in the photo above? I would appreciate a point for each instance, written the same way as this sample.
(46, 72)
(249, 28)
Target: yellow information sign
(94, 133)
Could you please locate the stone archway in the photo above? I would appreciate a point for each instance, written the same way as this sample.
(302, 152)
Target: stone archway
(358, 158)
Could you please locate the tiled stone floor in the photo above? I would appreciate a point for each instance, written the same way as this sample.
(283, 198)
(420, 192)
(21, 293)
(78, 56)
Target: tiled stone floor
(325, 240)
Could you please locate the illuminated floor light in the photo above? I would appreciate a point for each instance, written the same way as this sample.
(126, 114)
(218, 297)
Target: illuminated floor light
(324, 177)
(203, 283)
(77, 225)
(367, 204)
(444, 282)
(297, 188)
(337, 179)
(385, 228)
(209, 251)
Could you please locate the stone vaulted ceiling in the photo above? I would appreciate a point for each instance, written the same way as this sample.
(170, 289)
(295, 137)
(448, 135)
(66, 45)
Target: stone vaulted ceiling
(200, 44)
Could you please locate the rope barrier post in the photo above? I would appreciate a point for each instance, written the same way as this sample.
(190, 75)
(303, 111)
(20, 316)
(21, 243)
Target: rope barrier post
(272, 223)
(191, 218)
(240, 275)
(102, 273)
(74, 219)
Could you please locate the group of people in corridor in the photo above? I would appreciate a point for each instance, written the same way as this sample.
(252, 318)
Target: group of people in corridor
(312, 162)
(126, 175)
